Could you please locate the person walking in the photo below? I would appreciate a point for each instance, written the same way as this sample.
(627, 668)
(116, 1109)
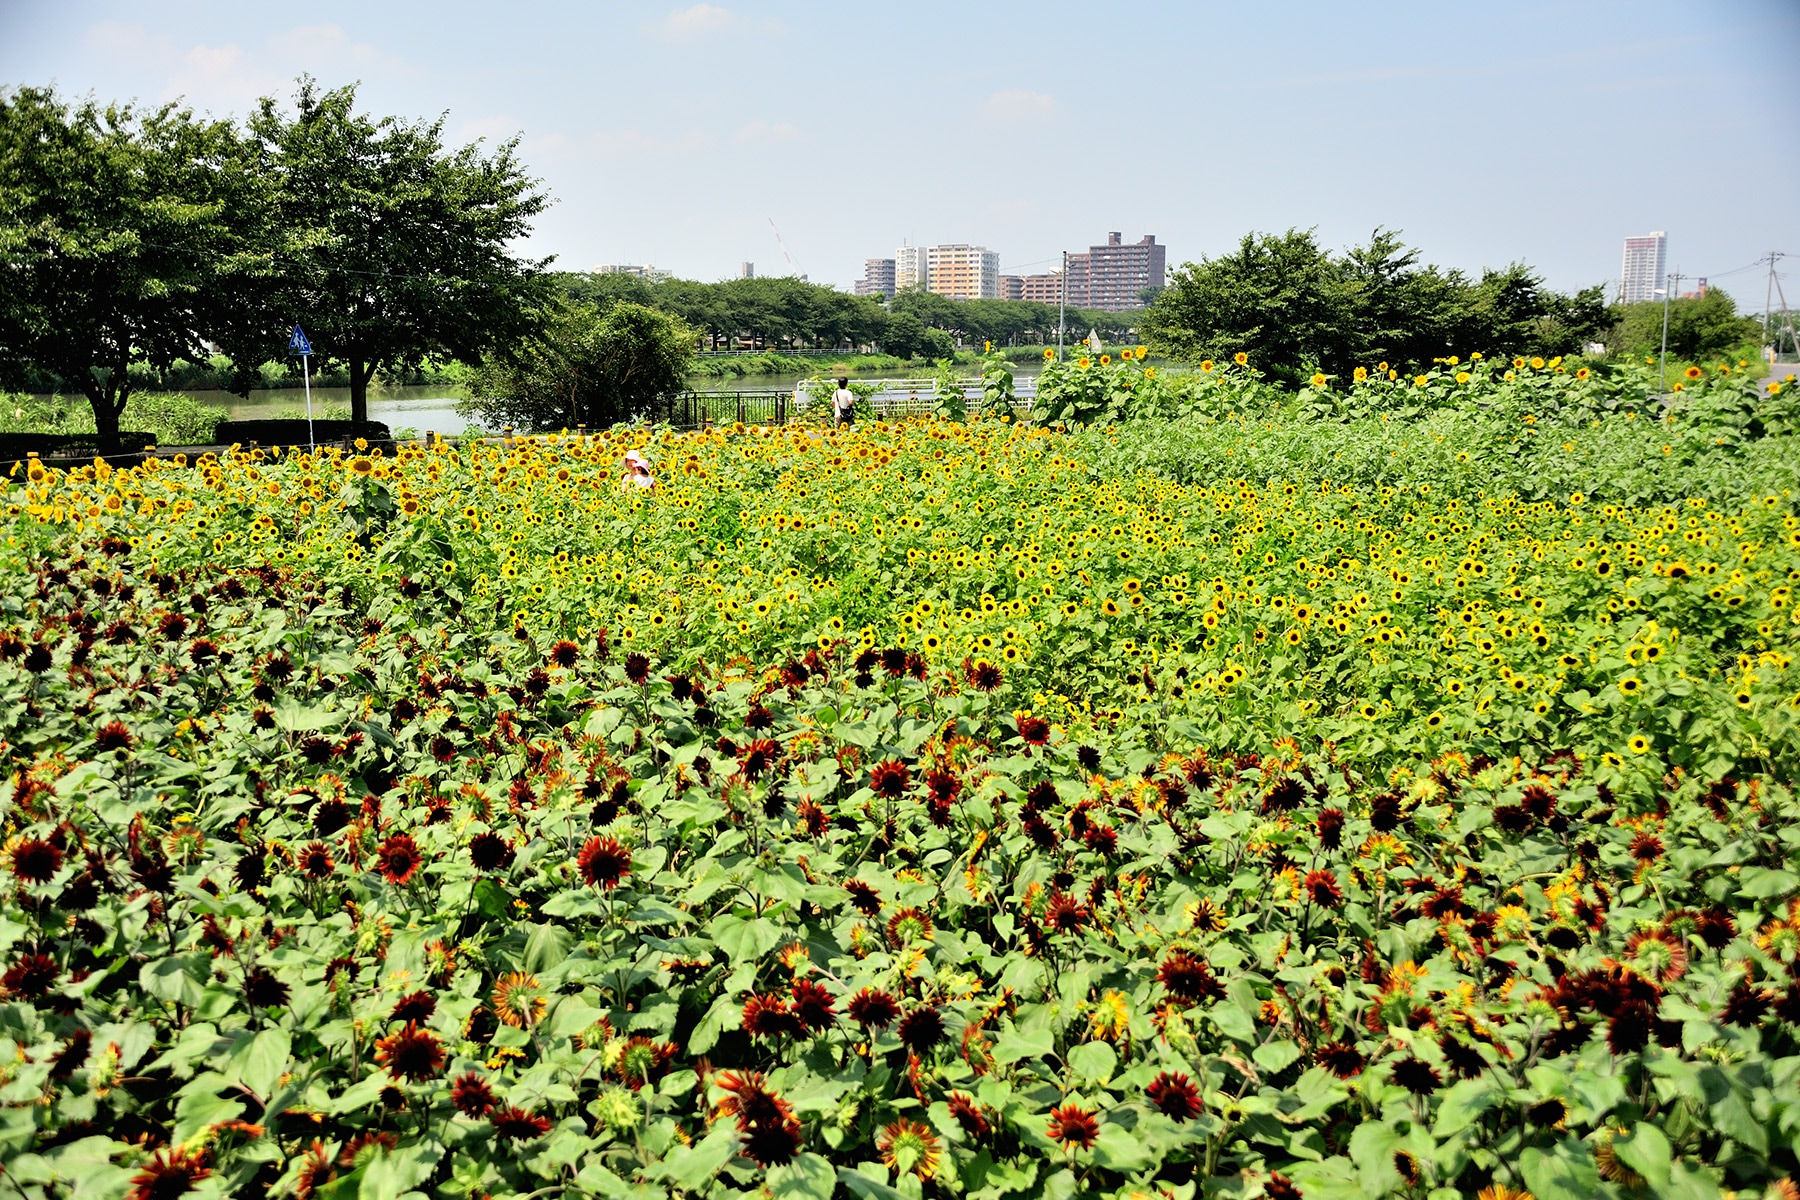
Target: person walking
(843, 402)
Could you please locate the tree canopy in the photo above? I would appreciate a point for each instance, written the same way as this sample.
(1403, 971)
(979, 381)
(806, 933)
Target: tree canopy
(121, 239)
(134, 235)
(1293, 307)
(594, 364)
(392, 248)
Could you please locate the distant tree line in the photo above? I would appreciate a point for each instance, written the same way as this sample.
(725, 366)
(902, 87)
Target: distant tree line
(786, 313)
(1295, 307)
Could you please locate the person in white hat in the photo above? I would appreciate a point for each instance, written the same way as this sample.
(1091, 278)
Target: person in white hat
(637, 472)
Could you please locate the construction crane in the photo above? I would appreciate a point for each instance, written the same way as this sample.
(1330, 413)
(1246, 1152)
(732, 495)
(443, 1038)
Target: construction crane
(792, 265)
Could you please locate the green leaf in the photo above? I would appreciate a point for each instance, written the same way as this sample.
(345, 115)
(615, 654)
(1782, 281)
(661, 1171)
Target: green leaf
(548, 945)
(1565, 1171)
(198, 1109)
(692, 1167)
(866, 1188)
(264, 1062)
(1017, 1044)
(1372, 1150)
(1462, 1103)
(1093, 1061)
(1117, 1150)
(1646, 1151)
(808, 1177)
(1275, 1056)
(492, 900)
(1767, 883)
(745, 940)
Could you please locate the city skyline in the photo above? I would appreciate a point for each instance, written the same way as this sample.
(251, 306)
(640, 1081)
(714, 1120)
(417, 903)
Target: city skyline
(1372, 120)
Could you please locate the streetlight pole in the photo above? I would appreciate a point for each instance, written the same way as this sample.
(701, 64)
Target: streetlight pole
(1062, 303)
(1663, 357)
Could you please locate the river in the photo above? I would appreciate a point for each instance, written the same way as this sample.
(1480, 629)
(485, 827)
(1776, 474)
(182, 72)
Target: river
(433, 407)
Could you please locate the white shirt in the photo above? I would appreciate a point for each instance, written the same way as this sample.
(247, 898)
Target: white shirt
(844, 400)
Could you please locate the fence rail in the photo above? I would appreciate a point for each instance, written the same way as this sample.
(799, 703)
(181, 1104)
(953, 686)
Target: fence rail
(778, 406)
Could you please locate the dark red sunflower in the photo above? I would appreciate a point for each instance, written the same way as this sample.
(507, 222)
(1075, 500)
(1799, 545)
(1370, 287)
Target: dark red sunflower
(769, 1016)
(1175, 1095)
(1073, 1126)
(1189, 977)
(490, 853)
(518, 1124)
(1065, 914)
(30, 977)
(813, 1006)
(472, 1096)
(414, 1008)
(315, 861)
(890, 778)
(398, 859)
(873, 1009)
(168, 1174)
(413, 1053)
(1323, 889)
(1340, 1058)
(36, 861)
(922, 1029)
(604, 862)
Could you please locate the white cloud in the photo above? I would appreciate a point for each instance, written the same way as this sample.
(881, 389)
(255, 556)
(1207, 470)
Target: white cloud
(760, 131)
(700, 20)
(1019, 104)
(635, 143)
(494, 129)
(228, 77)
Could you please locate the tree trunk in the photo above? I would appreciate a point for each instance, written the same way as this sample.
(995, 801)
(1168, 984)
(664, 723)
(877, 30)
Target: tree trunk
(107, 406)
(359, 389)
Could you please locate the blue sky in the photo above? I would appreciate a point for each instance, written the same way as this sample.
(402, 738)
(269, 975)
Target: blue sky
(672, 133)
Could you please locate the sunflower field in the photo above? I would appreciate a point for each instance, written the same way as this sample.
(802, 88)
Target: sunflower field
(1384, 789)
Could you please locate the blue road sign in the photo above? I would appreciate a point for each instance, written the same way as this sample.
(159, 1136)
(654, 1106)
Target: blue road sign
(298, 343)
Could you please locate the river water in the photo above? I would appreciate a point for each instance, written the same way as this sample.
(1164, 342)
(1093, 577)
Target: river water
(432, 408)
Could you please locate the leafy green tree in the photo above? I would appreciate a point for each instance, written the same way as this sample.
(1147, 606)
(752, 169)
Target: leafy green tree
(393, 248)
(1293, 306)
(1280, 298)
(1699, 327)
(121, 238)
(586, 365)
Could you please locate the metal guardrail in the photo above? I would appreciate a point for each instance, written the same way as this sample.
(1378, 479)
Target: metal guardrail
(778, 406)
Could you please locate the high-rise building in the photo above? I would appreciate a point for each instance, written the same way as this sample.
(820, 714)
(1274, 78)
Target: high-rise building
(1045, 289)
(1114, 277)
(747, 270)
(962, 272)
(640, 271)
(878, 277)
(910, 267)
(1012, 287)
(1641, 277)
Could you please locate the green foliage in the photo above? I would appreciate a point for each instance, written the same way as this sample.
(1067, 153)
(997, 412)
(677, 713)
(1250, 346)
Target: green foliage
(586, 366)
(1294, 307)
(1278, 787)
(1700, 328)
(393, 248)
(172, 419)
(123, 234)
(1084, 388)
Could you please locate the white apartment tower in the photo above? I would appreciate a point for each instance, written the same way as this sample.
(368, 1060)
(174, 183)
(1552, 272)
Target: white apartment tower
(1645, 261)
(963, 272)
(911, 267)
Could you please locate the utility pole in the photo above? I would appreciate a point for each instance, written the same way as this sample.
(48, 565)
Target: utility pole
(1768, 290)
(1062, 304)
(1670, 283)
